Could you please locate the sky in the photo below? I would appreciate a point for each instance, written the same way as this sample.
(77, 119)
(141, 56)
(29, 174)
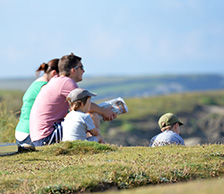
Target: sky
(113, 37)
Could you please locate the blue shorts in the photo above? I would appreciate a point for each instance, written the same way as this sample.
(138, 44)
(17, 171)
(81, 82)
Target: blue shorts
(43, 142)
(54, 137)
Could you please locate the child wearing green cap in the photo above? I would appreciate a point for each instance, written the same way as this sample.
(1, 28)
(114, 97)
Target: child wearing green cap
(170, 127)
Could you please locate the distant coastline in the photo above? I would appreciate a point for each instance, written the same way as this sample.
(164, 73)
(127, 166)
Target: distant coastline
(133, 86)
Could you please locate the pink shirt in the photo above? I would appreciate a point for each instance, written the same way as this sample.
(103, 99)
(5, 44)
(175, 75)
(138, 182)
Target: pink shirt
(50, 106)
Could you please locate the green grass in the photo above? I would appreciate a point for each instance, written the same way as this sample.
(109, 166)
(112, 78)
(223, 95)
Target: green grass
(10, 105)
(77, 147)
(13, 99)
(8, 122)
(89, 166)
(153, 107)
(210, 186)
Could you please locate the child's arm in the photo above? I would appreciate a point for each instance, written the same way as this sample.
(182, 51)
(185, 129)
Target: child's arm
(96, 132)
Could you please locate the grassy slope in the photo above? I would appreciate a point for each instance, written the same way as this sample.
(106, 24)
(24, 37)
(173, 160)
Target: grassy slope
(144, 113)
(94, 168)
(88, 166)
(210, 186)
(184, 102)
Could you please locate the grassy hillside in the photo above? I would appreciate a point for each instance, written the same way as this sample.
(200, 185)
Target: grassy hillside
(201, 112)
(73, 167)
(143, 86)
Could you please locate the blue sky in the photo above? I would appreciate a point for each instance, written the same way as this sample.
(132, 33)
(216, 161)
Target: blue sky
(114, 37)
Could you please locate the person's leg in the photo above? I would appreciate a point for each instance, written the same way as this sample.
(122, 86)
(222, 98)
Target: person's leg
(96, 119)
(92, 138)
(41, 142)
(27, 140)
(44, 141)
(54, 137)
(100, 138)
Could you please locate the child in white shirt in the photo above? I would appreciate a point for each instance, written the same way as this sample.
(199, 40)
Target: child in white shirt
(79, 124)
(170, 129)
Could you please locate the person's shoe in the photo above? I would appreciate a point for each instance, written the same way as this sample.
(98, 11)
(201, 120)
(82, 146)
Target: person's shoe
(27, 147)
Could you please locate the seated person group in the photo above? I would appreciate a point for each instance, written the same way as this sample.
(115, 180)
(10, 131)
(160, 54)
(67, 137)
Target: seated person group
(55, 109)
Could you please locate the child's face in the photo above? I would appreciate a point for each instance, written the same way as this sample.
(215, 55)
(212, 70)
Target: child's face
(87, 105)
(176, 128)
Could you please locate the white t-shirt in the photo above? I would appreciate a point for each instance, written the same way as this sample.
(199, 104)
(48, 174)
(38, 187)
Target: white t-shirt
(75, 126)
(166, 138)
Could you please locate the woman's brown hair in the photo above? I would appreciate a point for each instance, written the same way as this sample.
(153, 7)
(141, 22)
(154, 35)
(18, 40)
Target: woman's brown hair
(48, 67)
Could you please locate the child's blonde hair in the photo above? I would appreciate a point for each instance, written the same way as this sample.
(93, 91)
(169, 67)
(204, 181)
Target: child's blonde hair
(169, 127)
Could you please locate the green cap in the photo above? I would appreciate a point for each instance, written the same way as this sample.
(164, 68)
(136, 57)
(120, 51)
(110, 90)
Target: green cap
(168, 119)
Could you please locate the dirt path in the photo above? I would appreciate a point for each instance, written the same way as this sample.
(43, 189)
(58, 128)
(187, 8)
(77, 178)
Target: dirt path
(215, 109)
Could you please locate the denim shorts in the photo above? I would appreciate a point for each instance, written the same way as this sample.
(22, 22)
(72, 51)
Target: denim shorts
(54, 137)
(27, 140)
(43, 142)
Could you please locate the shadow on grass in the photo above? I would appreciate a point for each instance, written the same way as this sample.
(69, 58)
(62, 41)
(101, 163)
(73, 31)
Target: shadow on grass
(77, 147)
(101, 187)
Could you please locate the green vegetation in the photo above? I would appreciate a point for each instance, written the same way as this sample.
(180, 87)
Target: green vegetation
(80, 166)
(10, 104)
(88, 167)
(13, 99)
(129, 86)
(184, 102)
(139, 109)
(153, 107)
(77, 147)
